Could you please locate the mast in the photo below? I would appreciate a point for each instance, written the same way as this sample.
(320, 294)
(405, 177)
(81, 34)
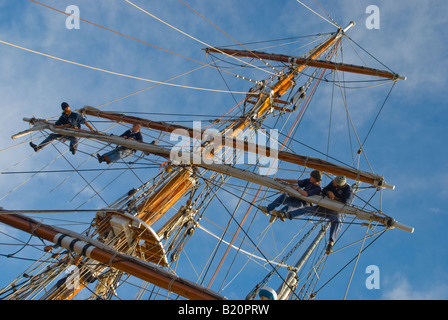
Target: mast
(155, 204)
(262, 106)
(311, 61)
(311, 162)
(187, 158)
(297, 61)
(285, 289)
(98, 251)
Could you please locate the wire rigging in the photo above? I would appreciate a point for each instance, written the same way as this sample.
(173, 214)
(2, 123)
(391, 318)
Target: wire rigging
(117, 73)
(215, 183)
(184, 33)
(319, 15)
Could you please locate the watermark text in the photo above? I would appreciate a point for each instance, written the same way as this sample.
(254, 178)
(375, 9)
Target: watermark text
(373, 20)
(72, 21)
(373, 280)
(210, 146)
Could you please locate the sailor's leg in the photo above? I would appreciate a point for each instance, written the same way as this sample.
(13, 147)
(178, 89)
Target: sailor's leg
(290, 203)
(111, 156)
(335, 220)
(49, 139)
(332, 216)
(335, 223)
(277, 202)
(73, 143)
(45, 142)
(270, 209)
(310, 210)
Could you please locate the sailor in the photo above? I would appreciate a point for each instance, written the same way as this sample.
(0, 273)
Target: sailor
(121, 152)
(338, 190)
(306, 187)
(68, 119)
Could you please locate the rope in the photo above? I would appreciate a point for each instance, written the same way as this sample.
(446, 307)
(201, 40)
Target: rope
(244, 231)
(118, 73)
(317, 14)
(82, 177)
(378, 114)
(19, 185)
(328, 15)
(356, 263)
(222, 31)
(280, 264)
(116, 32)
(143, 42)
(158, 83)
(191, 37)
(340, 270)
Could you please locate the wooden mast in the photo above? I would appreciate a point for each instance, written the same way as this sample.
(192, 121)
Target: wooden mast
(140, 268)
(193, 159)
(310, 62)
(306, 161)
(96, 250)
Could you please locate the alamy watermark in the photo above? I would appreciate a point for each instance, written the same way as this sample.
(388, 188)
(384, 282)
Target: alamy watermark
(72, 279)
(210, 146)
(72, 21)
(373, 20)
(373, 280)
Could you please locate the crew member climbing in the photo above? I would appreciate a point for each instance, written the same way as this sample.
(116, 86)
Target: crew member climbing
(68, 119)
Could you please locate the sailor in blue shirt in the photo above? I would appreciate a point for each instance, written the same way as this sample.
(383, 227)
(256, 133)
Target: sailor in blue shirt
(306, 187)
(68, 119)
(121, 152)
(338, 190)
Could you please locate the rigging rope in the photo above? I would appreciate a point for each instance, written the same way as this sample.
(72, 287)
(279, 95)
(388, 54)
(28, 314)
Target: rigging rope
(279, 264)
(82, 177)
(240, 228)
(335, 23)
(145, 89)
(135, 39)
(348, 263)
(116, 32)
(378, 114)
(214, 25)
(332, 23)
(118, 73)
(190, 36)
(356, 263)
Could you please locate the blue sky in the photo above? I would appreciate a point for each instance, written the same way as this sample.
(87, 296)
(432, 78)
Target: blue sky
(407, 145)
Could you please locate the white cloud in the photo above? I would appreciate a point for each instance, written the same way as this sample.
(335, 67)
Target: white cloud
(403, 289)
(34, 85)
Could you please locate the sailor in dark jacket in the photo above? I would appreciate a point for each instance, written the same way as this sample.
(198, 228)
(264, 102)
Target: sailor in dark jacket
(306, 187)
(338, 190)
(121, 152)
(68, 119)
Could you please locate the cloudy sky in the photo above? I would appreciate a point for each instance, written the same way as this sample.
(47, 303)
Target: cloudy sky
(408, 145)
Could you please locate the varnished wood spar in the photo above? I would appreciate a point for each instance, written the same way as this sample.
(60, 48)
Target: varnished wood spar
(163, 198)
(100, 252)
(196, 160)
(297, 61)
(310, 162)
